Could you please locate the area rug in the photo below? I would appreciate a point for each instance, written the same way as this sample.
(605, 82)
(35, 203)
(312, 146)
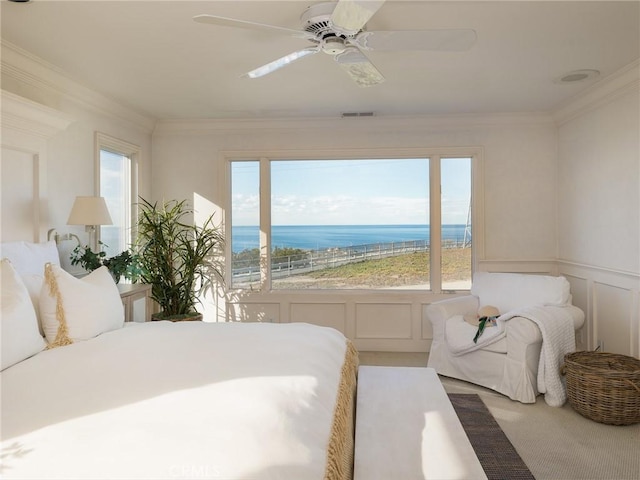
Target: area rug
(497, 455)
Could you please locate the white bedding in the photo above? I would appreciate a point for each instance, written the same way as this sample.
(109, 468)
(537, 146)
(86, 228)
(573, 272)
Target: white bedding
(176, 400)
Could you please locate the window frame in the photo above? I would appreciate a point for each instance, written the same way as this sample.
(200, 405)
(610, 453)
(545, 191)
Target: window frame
(130, 151)
(434, 154)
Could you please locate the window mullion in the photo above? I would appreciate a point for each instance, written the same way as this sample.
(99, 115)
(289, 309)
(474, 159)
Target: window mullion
(265, 224)
(435, 224)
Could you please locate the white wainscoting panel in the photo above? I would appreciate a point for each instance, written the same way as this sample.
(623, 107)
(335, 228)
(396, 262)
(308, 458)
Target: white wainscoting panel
(612, 317)
(580, 298)
(383, 320)
(610, 300)
(325, 314)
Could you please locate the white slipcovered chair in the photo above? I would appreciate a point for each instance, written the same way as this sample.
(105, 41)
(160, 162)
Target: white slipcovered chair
(507, 358)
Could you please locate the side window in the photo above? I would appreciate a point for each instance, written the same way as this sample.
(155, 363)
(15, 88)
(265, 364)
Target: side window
(117, 183)
(456, 239)
(245, 214)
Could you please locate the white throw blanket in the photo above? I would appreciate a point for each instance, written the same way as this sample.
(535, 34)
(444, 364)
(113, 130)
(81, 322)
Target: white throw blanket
(558, 339)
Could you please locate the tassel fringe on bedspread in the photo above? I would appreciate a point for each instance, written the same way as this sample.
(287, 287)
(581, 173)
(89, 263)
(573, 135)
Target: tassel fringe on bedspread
(341, 443)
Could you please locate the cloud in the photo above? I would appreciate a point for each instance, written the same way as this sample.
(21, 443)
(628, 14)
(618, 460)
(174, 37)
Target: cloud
(347, 210)
(246, 209)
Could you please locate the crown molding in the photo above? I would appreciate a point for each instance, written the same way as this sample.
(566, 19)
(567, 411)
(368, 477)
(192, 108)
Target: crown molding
(625, 80)
(26, 68)
(23, 118)
(369, 124)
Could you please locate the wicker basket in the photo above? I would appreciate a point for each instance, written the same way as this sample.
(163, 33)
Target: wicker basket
(604, 387)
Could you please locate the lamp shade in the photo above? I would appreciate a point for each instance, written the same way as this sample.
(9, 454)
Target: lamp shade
(89, 211)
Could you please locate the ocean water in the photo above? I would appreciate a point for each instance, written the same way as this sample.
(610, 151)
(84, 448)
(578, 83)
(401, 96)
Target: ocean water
(320, 237)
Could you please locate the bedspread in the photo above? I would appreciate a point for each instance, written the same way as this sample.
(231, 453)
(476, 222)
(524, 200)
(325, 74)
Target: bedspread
(184, 400)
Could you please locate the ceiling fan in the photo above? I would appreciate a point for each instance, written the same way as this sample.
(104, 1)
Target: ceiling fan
(339, 29)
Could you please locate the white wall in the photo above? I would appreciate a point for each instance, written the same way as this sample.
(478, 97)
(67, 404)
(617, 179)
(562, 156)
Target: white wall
(599, 205)
(598, 172)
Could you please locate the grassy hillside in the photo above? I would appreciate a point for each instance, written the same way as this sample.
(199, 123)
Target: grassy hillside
(409, 269)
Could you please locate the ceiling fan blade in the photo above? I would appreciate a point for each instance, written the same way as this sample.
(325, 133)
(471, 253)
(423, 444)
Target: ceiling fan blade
(359, 68)
(232, 22)
(350, 16)
(453, 40)
(281, 62)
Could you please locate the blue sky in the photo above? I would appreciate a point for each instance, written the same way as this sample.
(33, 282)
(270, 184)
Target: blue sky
(351, 192)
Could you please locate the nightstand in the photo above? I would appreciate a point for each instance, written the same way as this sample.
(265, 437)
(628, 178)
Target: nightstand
(136, 298)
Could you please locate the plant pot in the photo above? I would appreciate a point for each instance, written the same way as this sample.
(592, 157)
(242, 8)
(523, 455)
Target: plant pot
(183, 317)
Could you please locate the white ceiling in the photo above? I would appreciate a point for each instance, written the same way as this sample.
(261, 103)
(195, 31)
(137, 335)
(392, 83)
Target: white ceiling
(152, 56)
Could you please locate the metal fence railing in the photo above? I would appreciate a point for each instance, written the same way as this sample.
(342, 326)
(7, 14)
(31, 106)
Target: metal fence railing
(283, 266)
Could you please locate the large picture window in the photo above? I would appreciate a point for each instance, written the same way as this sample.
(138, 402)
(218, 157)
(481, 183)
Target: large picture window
(371, 223)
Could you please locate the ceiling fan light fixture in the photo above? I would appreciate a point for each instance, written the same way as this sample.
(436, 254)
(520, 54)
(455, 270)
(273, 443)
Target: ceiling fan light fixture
(333, 45)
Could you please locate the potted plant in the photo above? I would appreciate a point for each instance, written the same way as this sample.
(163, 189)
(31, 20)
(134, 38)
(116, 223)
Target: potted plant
(125, 264)
(178, 258)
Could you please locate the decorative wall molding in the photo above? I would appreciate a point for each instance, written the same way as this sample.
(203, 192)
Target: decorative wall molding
(625, 80)
(610, 300)
(27, 118)
(31, 70)
(26, 127)
(632, 276)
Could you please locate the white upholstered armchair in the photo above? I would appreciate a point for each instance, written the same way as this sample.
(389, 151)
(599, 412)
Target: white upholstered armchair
(508, 357)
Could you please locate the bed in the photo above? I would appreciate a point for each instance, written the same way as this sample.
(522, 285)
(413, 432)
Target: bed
(103, 399)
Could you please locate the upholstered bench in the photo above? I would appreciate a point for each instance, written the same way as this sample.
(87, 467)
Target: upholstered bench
(406, 428)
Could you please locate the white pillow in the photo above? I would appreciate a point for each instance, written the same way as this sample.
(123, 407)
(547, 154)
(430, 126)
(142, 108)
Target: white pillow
(74, 309)
(29, 258)
(33, 283)
(508, 291)
(20, 336)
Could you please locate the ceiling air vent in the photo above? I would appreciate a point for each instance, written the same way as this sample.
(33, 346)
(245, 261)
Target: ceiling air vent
(357, 114)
